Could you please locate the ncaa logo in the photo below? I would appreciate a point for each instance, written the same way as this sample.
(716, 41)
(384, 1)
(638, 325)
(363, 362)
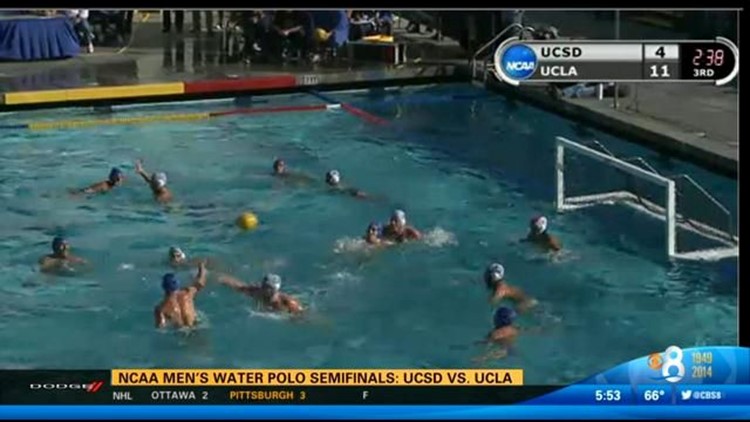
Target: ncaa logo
(517, 62)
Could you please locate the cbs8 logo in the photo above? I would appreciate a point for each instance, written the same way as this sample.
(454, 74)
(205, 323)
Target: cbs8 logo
(672, 368)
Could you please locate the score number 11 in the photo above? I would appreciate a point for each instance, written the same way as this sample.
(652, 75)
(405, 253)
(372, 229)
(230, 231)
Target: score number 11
(659, 71)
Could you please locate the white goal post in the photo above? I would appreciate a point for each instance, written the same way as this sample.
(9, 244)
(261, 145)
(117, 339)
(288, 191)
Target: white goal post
(668, 212)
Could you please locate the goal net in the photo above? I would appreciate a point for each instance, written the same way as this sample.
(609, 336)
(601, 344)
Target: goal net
(696, 225)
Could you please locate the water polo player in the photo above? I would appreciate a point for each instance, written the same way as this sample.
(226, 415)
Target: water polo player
(268, 293)
(157, 182)
(116, 177)
(60, 260)
(178, 305)
(397, 230)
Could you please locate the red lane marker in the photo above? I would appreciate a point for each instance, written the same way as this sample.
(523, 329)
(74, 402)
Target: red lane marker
(244, 84)
(365, 115)
(269, 110)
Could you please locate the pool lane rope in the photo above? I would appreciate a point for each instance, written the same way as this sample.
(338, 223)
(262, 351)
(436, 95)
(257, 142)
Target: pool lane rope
(331, 104)
(356, 111)
(183, 117)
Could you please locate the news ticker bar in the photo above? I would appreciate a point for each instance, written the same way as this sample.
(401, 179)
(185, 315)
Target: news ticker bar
(532, 61)
(101, 387)
(574, 395)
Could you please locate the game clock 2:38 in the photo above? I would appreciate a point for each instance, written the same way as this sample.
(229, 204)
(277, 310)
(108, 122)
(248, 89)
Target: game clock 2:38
(706, 61)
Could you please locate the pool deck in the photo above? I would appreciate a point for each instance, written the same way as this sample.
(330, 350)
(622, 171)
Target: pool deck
(694, 122)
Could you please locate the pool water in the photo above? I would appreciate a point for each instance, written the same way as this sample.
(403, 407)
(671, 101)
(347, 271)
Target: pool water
(468, 172)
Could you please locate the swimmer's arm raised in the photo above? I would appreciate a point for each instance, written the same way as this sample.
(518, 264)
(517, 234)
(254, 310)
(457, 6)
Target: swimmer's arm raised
(141, 172)
(200, 278)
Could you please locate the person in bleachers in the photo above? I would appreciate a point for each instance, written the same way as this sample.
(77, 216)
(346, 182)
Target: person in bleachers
(166, 20)
(80, 19)
(363, 23)
(290, 35)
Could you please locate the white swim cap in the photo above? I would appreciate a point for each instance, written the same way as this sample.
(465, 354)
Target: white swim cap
(333, 177)
(159, 179)
(541, 224)
(496, 271)
(177, 253)
(399, 216)
(273, 281)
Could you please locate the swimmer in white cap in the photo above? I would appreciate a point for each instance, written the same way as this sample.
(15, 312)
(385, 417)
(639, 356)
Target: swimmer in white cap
(281, 171)
(539, 236)
(178, 305)
(333, 180)
(179, 259)
(116, 177)
(268, 293)
(60, 260)
(397, 230)
(157, 182)
(494, 279)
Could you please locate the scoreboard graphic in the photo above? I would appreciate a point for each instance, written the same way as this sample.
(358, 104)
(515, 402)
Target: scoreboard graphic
(542, 61)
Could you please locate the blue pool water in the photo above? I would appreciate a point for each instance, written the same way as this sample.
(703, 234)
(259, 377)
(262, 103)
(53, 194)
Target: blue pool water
(470, 173)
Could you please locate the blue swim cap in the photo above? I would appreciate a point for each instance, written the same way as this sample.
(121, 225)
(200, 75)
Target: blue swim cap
(57, 243)
(169, 283)
(115, 174)
(504, 317)
(377, 227)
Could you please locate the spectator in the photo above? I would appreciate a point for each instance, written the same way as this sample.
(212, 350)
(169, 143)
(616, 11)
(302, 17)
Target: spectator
(255, 26)
(385, 22)
(127, 23)
(291, 33)
(363, 23)
(166, 17)
(209, 21)
(80, 19)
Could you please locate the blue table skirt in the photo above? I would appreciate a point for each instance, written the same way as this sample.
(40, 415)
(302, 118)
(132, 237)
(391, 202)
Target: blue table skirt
(26, 39)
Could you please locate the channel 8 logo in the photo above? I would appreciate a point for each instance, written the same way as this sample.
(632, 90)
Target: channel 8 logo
(517, 62)
(671, 366)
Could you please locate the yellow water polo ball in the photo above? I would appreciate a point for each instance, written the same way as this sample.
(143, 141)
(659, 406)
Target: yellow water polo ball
(247, 221)
(321, 34)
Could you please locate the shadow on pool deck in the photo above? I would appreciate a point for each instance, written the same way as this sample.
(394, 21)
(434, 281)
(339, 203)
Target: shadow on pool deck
(693, 122)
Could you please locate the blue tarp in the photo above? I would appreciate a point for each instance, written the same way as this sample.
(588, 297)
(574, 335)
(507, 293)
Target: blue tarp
(38, 39)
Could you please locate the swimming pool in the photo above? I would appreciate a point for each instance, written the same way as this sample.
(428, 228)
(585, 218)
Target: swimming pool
(469, 172)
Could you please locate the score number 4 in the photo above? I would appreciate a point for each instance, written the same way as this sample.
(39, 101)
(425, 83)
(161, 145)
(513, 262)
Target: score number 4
(658, 71)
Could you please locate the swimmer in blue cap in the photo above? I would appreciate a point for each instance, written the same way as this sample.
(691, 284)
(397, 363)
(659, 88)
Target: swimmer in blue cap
(157, 182)
(539, 236)
(268, 293)
(397, 230)
(178, 305)
(60, 259)
(494, 279)
(281, 171)
(503, 334)
(116, 177)
(374, 235)
(333, 180)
